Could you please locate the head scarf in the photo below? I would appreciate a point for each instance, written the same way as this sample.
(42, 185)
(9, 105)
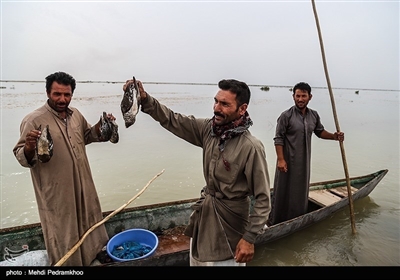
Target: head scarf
(229, 131)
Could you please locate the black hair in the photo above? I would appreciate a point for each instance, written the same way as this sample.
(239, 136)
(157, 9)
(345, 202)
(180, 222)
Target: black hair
(61, 78)
(239, 88)
(302, 86)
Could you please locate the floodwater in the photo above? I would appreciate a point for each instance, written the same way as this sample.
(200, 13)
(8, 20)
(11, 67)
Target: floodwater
(370, 120)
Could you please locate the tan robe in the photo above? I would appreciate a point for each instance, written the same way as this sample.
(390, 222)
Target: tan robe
(222, 215)
(67, 200)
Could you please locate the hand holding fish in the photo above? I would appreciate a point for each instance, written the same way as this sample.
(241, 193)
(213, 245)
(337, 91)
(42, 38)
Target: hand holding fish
(133, 95)
(40, 142)
(30, 143)
(110, 116)
(143, 93)
(44, 144)
(129, 83)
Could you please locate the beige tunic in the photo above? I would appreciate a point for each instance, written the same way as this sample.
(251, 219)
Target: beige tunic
(221, 217)
(67, 200)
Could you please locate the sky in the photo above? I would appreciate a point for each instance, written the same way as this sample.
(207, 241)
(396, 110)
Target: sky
(259, 42)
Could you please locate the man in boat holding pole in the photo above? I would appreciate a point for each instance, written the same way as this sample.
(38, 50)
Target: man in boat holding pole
(294, 129)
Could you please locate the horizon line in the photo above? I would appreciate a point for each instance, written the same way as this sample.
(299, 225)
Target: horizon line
(196, 84)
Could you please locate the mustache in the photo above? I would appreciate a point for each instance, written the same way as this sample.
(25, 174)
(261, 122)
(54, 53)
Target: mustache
(219, 114)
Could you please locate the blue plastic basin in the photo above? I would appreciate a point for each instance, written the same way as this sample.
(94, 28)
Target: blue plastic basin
(141, 236)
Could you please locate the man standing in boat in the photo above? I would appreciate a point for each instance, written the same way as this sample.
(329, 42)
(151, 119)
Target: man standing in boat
(65, 192)
(292, 140)
(222, 228)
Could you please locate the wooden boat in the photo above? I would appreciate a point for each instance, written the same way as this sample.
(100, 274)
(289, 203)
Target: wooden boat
(168, 221)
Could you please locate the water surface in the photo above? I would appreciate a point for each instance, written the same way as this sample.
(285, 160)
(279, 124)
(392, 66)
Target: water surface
(370, 120)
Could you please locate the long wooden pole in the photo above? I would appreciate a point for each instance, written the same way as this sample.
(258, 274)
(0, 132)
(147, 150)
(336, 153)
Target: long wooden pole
(336, 120)
(79, 243)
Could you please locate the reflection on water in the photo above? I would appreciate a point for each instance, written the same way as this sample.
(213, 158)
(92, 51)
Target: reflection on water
(370, 121)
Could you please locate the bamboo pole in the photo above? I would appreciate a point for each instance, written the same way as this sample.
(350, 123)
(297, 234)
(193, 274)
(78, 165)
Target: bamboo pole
(79, 243)
(336, 120)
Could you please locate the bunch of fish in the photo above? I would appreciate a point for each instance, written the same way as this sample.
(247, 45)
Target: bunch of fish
(130, 104)
(44, 145)
(108, 129)
(131, 250)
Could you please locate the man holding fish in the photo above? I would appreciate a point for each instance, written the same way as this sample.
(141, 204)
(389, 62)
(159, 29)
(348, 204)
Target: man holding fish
(222, 227)
(64, 188)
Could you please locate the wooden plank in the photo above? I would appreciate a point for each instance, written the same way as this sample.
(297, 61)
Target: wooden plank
(342, 191)
(172, 240)
(168, 244)
(323, 197)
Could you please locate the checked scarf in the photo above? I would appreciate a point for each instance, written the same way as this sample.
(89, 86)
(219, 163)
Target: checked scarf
(229, 131)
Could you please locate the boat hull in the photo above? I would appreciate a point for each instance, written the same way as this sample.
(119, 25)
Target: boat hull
(169, 219)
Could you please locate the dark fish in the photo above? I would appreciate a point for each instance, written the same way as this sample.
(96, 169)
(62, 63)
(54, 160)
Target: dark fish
(114, 135)
(131, 250)
(108, 129)
(130, 104)
(44, 145)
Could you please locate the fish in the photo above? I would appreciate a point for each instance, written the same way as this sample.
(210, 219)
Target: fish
(44, 145)
(108, 129)
(131, 250)
(114, 135)
(130, 104)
